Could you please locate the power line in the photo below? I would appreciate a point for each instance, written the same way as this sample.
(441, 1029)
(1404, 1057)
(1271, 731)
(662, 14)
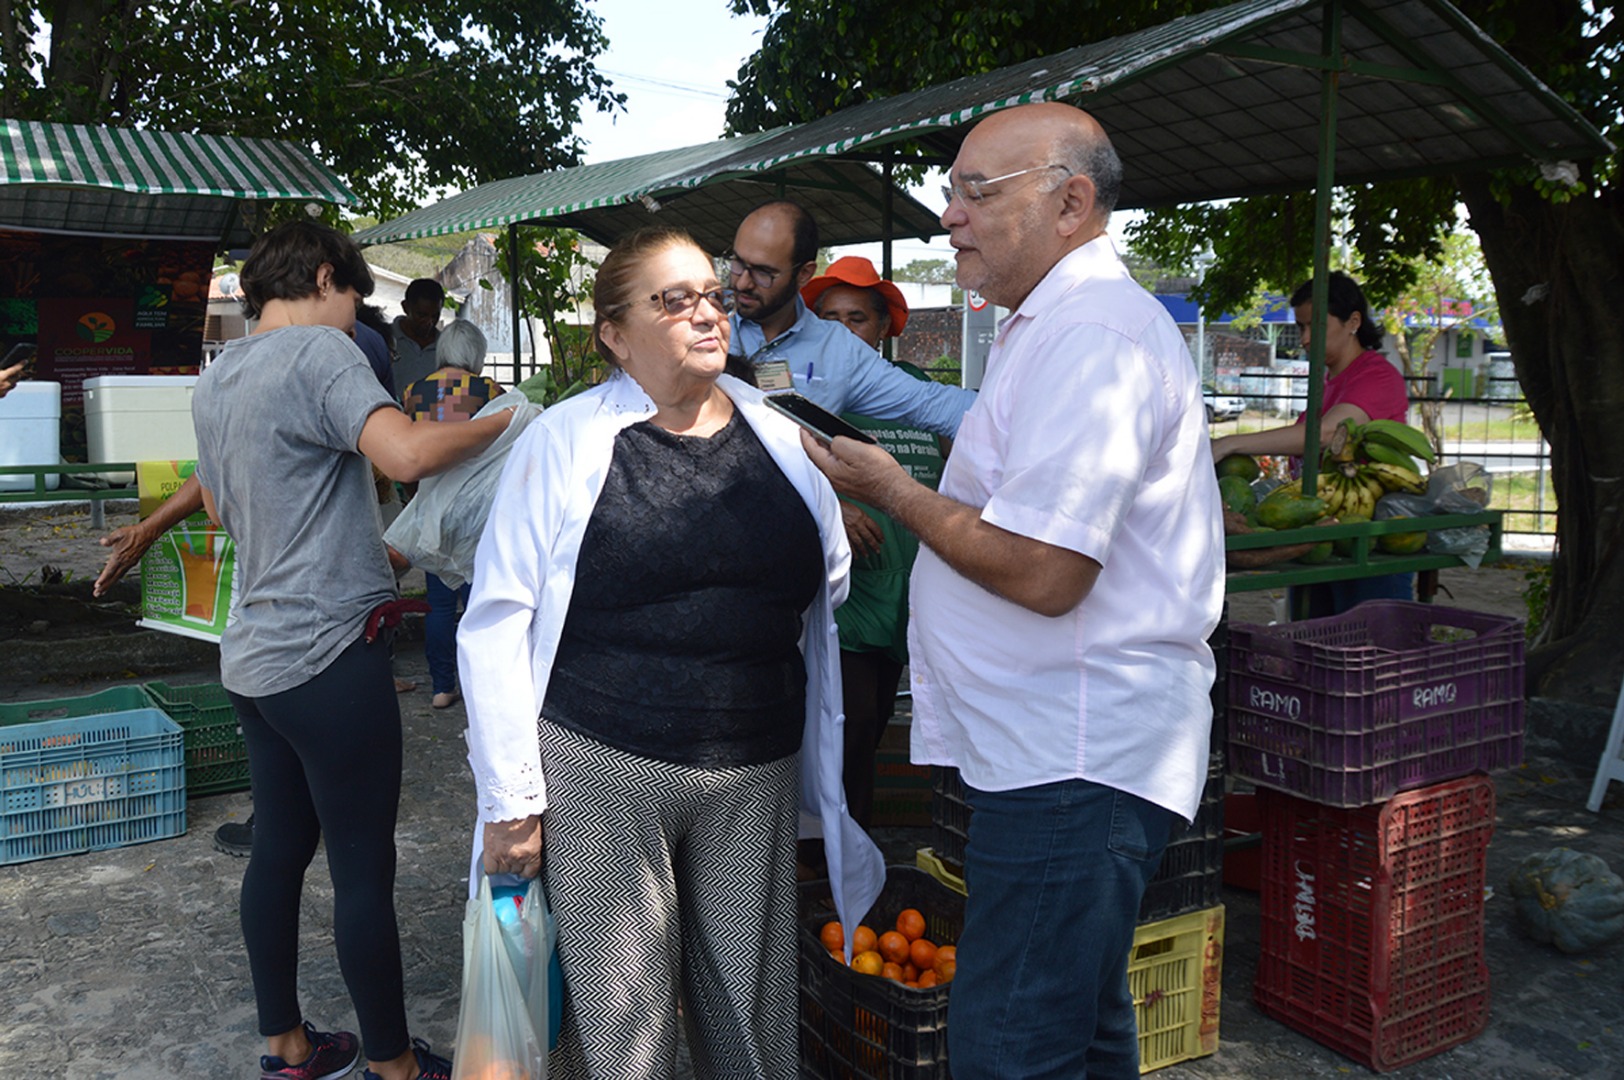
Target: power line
(669, 86)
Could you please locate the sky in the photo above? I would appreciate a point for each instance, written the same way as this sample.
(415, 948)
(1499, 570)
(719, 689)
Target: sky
(673, 64)
(675, 82)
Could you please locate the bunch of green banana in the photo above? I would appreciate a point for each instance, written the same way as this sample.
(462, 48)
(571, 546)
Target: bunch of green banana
(1381, 440)
(1363, 462)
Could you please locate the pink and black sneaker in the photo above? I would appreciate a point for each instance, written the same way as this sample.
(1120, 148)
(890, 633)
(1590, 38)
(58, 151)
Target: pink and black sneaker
(333, 1054)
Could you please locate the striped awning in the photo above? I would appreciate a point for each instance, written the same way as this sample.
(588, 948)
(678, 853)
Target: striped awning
(848, 199)
(121, 181)
(1219, 104)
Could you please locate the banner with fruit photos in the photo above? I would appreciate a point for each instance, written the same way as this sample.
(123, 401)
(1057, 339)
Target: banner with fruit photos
(188, 576)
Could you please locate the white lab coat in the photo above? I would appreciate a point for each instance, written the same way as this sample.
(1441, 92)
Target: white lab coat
(525, 573)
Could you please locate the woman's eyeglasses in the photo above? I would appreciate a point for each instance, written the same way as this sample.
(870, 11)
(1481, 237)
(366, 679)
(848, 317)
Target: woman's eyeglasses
(680, 301)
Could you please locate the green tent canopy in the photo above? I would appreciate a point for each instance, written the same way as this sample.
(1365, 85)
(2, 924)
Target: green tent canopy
(1219, 104)
(127, 182)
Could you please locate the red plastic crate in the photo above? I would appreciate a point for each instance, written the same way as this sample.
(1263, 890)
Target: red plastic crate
(1391, 696)
(1372, 921)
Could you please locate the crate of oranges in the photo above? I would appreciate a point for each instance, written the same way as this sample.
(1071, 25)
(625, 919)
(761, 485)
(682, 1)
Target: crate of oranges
(886, 1015)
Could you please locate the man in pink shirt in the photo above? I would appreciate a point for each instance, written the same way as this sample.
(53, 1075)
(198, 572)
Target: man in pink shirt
(1071, 571)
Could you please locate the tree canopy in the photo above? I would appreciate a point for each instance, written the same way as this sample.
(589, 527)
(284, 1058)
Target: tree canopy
(397, 97)
(1554, 243)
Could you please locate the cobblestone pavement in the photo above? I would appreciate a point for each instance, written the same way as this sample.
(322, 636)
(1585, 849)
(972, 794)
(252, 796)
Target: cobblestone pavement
(128, 963)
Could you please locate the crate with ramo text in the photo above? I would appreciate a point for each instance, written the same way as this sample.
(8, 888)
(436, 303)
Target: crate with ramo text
(1390, 696)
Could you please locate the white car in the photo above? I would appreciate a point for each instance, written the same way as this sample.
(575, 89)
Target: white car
(1221, 406)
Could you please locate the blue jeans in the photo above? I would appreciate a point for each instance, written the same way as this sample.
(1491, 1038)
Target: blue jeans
(440, 632)
(1055, 874)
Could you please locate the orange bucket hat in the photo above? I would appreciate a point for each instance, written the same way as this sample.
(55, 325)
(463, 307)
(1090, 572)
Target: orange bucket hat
(857, 271)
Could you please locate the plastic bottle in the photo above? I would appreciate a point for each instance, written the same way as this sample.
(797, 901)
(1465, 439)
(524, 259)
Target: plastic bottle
(508, 893)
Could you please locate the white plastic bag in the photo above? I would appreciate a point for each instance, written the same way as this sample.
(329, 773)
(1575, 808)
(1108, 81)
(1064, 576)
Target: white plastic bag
(440, 529)
(496, 1027)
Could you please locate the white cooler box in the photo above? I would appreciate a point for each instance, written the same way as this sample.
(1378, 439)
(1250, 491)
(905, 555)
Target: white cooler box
(31, 432)
(139, 418)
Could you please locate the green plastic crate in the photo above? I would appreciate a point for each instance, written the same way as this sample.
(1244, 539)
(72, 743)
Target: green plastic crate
(117, 699)
(216, 758)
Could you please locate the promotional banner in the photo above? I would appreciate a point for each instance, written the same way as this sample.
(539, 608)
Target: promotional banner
(187, 577)
(102, 305)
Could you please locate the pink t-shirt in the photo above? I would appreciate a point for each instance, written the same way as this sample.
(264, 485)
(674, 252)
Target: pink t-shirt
(1373, 384)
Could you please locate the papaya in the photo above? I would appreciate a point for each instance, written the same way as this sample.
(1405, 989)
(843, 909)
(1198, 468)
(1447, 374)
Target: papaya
(1242, 465)
(1316, 554)
(1284, 510)
(1345, 547)
(1237, 494)
(1407, 543)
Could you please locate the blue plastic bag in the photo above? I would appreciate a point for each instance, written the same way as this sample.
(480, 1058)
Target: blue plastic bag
(513, 896)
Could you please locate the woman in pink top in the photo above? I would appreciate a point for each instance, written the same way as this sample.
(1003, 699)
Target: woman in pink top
(1361, 384)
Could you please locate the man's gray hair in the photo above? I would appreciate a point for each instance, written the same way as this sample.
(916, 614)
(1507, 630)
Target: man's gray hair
(1096, 159)
(461, 345)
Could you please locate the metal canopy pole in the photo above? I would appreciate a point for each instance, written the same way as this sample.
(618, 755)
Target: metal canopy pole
(887, 194)
(1330, 80)
(513, 292)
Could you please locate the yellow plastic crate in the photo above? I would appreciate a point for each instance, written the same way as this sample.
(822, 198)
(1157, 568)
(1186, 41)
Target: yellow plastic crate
(1175, 974)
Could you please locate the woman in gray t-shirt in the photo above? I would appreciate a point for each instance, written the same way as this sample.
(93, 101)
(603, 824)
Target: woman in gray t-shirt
(289, 423)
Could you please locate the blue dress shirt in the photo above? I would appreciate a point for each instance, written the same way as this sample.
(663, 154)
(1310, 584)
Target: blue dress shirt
(838, 370)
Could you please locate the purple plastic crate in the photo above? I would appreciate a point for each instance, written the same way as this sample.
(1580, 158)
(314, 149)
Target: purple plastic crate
(1350, 710)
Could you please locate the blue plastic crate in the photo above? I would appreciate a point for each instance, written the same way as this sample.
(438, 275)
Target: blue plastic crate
(90, 783)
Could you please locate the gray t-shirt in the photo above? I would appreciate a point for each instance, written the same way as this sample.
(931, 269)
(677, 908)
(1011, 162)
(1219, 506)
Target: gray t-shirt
(278, 418)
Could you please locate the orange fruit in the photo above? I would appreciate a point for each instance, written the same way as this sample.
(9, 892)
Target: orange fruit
(867, 963)
(839, 958)
(863, 939)
(891, 971)
(911, 924)
(894, 947)
(923, 954)
(946, 952)
(946, 969)
(910, 973)
(927, 980)
(833, 936)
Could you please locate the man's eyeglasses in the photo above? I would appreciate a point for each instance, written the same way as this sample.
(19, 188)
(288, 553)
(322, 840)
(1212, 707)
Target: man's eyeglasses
(975, 191)
(679, 301)
(763, 276)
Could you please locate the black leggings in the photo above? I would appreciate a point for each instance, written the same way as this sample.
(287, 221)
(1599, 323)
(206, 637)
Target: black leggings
(325, 759)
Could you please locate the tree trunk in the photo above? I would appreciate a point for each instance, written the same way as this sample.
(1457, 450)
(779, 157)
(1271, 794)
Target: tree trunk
(1556, 270)
(82, 65)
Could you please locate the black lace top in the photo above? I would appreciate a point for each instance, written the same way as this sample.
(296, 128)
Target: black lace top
(680, 642)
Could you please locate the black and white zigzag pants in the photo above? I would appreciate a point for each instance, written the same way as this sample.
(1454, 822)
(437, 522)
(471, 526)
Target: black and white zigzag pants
(669, 881)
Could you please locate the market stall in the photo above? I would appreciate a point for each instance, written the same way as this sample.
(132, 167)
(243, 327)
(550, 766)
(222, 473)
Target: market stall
(1255, 97)
(107, 242)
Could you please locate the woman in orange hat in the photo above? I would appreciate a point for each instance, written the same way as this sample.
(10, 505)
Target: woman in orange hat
(874, 619)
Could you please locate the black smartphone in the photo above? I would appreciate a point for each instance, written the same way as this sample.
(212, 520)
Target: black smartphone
(18, 353)
(815, 418)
